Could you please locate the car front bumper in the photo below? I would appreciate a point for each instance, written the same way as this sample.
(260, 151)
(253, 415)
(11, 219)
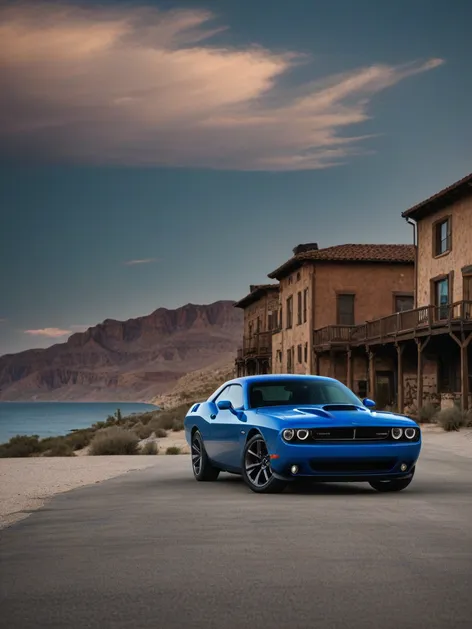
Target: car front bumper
(344, 463)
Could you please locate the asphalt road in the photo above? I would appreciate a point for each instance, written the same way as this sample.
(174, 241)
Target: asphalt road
(156, 549)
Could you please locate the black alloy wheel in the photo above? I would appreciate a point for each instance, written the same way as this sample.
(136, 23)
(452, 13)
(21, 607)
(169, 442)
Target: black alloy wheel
(203, 470)
(256, 468)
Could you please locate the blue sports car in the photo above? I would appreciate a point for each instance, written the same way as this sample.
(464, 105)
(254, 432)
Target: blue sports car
(273, 429)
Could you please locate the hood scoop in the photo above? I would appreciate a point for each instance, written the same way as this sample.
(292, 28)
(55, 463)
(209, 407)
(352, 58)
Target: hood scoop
(340, 407)
(313, 411)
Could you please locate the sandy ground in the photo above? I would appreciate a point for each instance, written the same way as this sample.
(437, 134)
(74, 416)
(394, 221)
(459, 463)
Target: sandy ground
(25, 484)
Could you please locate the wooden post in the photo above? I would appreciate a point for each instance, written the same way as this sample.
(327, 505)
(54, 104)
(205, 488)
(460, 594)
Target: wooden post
(316, 364)
(332, 364)
(400, 382)
(372, 391)
(419, 374)
(464, 344)
(350, 371)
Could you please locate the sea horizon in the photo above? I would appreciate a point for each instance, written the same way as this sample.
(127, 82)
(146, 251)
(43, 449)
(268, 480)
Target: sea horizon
(30, 418)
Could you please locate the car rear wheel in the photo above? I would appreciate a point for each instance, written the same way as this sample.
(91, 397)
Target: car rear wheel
(256, 469)
(203, 470)
(392, 485)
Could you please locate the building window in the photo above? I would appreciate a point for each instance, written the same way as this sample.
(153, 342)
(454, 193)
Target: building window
(305, 305)
(279, 355)
(289, 360)
(250, 329)
(290, 279)
(299, 352)
(467, 288)
(345, 310)
(441, 298)
(258, 325)
(299, 276)
(442, 237)
(289, 311)
(404, 302)
(299, 309)
(306, 352)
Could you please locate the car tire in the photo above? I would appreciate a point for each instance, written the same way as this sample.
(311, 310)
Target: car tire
(392, 485)
(203, 470)
(256, 470)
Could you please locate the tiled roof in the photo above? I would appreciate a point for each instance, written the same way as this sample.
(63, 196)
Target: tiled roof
(257, 292)
(440, 199)
(350, 253)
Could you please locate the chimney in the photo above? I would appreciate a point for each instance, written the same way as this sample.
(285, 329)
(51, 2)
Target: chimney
(252, 287)
(309, 246)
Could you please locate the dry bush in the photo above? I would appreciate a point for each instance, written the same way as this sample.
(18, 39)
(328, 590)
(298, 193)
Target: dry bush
(60, 449)
(428, 413)
(160, 433)
(173, 450)
(141, 431)
(150, 448)
(114, 440)
(21, 446)
(453, 419)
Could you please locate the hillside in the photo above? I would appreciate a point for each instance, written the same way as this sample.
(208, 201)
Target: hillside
(132, 360)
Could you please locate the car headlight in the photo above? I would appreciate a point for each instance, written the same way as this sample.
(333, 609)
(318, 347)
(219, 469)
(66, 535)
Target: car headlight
(397, 433)
(410, 433)
(288, 434)
(302, 434)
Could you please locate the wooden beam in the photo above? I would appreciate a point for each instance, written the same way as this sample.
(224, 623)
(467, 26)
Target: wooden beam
(371, 374)
(465, 372)
(332, 364)
(420, 346)
(317, 364)
(400, 382)
(350, 371)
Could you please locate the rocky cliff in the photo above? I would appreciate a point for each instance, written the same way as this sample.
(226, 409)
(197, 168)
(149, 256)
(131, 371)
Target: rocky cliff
(130, 360)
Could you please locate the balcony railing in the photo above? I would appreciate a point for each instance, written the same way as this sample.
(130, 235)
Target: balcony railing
(391, 326)
(333, 334)
(256, 345)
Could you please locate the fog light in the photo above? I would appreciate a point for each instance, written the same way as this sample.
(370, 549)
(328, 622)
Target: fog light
(294, 469)
(403, 467)
(302, 434)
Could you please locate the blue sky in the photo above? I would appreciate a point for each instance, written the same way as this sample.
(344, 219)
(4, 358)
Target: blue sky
(206, 140)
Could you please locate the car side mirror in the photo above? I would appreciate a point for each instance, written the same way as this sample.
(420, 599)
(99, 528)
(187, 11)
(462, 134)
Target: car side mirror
(224, 405)
(368, 403)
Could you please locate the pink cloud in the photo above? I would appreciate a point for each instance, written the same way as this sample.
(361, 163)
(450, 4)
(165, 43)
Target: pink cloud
(49, 332)
(131, 85)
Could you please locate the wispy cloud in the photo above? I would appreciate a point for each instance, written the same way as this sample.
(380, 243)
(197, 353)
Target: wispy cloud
(131, 85)
(141, 261)
(49, 332)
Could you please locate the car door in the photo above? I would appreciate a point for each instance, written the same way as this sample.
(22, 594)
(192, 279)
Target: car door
(226, 428)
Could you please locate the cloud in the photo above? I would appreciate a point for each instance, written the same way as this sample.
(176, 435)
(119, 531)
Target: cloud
(137, 86)
(49, 332)
(3, 320)
(142, 261)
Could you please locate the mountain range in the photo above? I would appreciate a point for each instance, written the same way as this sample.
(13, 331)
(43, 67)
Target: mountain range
(133, 360)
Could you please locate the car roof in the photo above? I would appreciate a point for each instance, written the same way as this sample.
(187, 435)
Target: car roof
(279, 376)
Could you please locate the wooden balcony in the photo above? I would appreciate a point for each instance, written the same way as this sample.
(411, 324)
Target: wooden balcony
(425, 321)
(331, 335)
(256, 346)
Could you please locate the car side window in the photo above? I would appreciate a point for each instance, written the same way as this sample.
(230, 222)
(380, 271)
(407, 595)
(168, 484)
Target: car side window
(233, 393)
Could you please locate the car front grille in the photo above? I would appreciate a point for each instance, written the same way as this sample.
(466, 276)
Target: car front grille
(323, 435)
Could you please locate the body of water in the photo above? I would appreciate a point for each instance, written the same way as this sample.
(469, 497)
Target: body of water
(49, 419)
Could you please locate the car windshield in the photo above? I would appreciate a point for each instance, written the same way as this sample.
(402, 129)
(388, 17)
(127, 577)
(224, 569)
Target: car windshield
(299, 392)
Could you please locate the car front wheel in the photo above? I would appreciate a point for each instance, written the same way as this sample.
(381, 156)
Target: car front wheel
(256, 469)
(203, 470)
(392, 485)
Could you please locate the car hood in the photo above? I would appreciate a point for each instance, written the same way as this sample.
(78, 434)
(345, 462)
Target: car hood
(335, 415)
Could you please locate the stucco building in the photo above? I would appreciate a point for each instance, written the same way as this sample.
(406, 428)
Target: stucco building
(261, 319)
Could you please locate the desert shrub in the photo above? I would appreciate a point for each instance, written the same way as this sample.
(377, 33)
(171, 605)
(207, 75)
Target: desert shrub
(428, 412)
(79, 439)
(173, 450)
(160, 433)
(149, 448)
(61, 448)
(21, 446)
(453, 418)
(114, 440)
(167, 419)
(177, 425)
(141, 431)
